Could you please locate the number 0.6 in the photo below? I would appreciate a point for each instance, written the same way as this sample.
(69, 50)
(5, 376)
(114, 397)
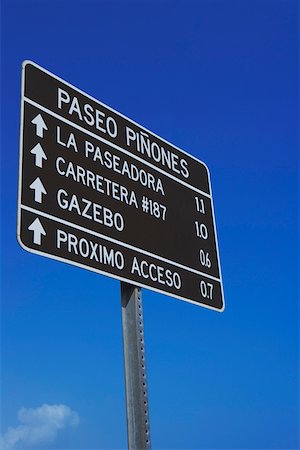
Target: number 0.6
(204, 259)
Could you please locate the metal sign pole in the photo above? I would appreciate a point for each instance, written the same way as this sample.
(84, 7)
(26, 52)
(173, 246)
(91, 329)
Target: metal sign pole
(135, 368)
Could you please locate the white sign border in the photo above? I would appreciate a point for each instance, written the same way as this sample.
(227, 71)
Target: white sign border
(74, 263)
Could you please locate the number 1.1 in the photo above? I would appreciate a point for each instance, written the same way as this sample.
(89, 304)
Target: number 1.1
(200, 205)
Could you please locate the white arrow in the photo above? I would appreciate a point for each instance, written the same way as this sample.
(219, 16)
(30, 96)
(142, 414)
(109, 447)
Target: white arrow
(39, 155)
(39, 190)
(38, 231)
(39, 122)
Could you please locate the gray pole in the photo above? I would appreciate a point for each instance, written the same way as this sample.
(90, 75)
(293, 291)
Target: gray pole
(138, 430)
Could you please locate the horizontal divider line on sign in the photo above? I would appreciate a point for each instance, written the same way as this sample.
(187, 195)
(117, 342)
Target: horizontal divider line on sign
(115, 241)
(117, 147)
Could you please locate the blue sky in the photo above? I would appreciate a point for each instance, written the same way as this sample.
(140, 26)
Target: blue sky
(219, 80)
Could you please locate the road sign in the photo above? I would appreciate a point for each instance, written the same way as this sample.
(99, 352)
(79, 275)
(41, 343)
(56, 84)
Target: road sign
(101, 192)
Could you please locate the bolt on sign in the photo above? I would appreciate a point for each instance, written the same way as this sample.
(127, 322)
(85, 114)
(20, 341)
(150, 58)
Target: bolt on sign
(101, 192)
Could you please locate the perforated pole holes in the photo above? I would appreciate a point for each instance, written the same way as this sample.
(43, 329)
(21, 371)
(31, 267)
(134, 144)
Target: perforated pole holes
(143, 365)
(138, 426)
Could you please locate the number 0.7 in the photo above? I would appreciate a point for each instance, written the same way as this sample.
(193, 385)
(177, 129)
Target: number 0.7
(206, 289)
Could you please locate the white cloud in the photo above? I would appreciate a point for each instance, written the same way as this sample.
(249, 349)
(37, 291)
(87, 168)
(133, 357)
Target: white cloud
(38, 426)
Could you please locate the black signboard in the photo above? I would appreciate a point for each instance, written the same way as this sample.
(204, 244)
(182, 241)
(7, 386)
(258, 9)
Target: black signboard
(101, 192)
